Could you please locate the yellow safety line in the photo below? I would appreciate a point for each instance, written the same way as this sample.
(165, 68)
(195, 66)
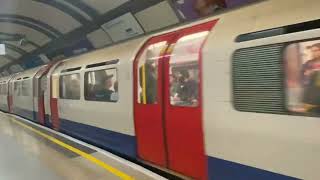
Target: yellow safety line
(89, 157)
(144, 97)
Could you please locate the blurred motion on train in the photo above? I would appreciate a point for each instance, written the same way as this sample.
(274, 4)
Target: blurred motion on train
(232, 96)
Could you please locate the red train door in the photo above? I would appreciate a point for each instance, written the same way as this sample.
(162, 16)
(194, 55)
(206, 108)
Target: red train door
(54, 93)
(183, 103)
(39, 94)
(168, 114)
(148, 100)
(40, 83)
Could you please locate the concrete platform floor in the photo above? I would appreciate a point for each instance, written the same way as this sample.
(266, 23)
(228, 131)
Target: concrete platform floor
(31, 152)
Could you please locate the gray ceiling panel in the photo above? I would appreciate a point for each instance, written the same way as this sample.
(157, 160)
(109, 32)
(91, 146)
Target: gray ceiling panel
(30, 28)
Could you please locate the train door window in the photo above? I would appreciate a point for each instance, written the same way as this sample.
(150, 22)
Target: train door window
(102, 85)
(2, 89)
(5, 89)
(184, 70)
(17, 88)
(70, 86)
(302, 65)
(148, 73)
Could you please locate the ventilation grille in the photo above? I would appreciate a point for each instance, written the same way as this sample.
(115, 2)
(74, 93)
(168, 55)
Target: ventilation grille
(258, 79)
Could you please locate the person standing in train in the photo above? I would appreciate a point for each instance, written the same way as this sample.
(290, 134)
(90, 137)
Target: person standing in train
(311, 74)
(294, 89)
(149, 71)
(105, 93)
(188, 90)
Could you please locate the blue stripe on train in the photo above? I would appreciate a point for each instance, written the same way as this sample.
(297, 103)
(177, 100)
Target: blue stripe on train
(126, 145)
(24, 113)
(226, 170)
(47, 121)
(106, 139)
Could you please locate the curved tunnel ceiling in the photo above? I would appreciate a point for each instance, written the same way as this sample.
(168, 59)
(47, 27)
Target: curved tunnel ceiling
(29, 28)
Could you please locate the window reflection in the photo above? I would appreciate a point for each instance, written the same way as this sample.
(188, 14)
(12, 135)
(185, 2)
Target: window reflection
(102, 85)
(184, 82)
(148, 73)
(184, 70)
(25, 88)
(70, 86)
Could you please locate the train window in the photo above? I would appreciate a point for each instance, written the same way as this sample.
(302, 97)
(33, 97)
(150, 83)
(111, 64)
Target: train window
(17, 88)
(148, 73)
(184, 71)
(25, 88)
(69, 87)
(302, 65)
(102, 85)
(3, 89)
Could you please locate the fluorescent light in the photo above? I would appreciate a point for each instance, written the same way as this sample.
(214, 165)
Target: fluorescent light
(2, 49)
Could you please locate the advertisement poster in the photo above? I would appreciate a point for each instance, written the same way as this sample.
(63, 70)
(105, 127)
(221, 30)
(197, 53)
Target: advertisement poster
(193, 9)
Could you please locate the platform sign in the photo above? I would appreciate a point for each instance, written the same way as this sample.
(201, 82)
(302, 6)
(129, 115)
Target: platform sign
(123, 27)
(2, 49)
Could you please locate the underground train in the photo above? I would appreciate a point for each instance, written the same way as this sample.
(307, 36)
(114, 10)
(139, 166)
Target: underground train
(230, 97)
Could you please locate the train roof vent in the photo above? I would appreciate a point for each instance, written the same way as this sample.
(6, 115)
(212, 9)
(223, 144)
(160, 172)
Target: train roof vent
(19, 79)
(25, 77)
(304, 26)
(71, 69)
(115, 61)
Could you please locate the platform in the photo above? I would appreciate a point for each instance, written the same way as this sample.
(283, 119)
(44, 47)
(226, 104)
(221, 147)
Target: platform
(30, 151)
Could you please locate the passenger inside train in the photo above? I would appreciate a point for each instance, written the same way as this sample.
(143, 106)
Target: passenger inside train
(160, 89)
(184, 88)
(148, 79)
(303, 76)
(102, 85)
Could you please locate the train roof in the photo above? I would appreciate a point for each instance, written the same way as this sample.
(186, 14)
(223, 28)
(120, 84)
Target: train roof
(254, 17)
(124, 52)
(28, 73)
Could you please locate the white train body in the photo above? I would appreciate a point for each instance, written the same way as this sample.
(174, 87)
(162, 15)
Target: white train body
(4, 86)
(235, 126)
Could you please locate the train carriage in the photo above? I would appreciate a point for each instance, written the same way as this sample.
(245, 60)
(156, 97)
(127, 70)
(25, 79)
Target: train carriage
(4, 90)
(23, 94)
(250, 129)
(82, 108)
(232, 96)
